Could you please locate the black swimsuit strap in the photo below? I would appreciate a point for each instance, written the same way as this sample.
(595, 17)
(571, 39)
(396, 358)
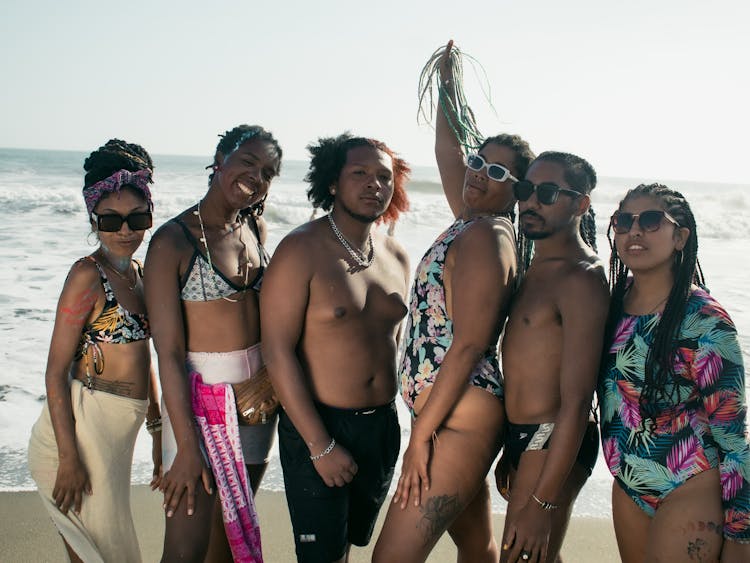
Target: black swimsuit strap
(188, 235)
(261, 249)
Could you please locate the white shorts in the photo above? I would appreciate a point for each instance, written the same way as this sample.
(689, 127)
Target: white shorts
(225, 367)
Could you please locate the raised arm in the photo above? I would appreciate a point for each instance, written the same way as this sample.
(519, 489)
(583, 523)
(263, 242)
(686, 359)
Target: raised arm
(480, 288)
(284, 301)
(448, 151)
(80, 297)
(161, 282)
(583, 305)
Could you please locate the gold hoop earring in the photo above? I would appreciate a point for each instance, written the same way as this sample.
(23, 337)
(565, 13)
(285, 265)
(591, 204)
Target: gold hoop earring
(150, 234)
(96, 237)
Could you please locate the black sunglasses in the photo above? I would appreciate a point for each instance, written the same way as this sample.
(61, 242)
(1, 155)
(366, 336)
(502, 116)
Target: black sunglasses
(112, 222)
(496, 172)
(648, 221)
(546, 192)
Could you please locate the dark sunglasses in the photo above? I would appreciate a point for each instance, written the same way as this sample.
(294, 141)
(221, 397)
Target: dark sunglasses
(112, 222)
(496, 172)
(648, 221)
(546, 192)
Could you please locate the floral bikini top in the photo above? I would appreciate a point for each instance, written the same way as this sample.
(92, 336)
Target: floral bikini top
(115, 324)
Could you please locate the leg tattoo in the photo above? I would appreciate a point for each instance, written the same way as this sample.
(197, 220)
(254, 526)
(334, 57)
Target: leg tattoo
(437, 514)
(695, 549)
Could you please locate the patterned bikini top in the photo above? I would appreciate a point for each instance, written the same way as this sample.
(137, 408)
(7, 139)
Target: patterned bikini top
(115, 324)
(202, 282)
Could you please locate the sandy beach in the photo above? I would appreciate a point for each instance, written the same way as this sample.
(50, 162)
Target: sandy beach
(27, 534)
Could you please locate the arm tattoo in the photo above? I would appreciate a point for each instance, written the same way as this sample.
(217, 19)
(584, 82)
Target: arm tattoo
(77, 314)
(437, 514)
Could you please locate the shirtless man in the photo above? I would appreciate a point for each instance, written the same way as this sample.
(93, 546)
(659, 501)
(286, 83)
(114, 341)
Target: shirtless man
(551, 352)
(331, 307)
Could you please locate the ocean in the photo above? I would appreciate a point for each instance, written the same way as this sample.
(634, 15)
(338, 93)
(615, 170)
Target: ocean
(43, 230)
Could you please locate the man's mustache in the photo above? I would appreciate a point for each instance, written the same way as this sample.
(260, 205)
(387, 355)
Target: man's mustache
(530, 213)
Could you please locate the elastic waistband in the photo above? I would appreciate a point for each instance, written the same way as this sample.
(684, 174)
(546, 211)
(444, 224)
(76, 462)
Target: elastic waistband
(254, 349)
(364, 411)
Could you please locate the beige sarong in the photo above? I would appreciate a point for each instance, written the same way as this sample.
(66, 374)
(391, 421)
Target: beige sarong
(106, 427)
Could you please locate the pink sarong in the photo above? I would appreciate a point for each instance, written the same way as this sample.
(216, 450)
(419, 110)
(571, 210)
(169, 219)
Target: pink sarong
(216, 414)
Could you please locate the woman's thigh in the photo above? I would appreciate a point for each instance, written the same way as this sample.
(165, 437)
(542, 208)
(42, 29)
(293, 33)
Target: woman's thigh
(688, 524)
(632, 526)
(459, 464)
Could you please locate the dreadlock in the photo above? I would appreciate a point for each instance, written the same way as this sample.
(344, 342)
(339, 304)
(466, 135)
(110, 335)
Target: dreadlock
(453, 101)
(328, 159)
(460, 117)
(659, 369)
(113, 156)
(232, 140)
(581, 177)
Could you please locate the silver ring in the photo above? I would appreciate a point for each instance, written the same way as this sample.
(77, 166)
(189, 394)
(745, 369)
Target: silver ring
(525, 555)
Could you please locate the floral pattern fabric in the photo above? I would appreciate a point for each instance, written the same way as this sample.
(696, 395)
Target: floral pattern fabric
(429, 330)
(115, 324)
(699, 425)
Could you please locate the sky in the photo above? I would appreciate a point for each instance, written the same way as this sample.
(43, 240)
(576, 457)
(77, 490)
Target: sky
(655, 89)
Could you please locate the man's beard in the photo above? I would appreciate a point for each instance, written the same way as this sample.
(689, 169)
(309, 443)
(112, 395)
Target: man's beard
(535, 235)
(366, 219)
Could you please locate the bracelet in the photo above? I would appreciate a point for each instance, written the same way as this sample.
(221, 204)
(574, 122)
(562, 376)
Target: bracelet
(545, 505)
(153, 426)
(325, 452)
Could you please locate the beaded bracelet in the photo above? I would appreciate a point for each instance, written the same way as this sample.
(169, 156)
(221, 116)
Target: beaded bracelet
(325, 452)
(153, 426)
(544, 504)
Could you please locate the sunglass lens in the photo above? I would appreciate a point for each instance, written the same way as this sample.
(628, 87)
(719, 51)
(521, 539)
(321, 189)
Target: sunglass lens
(622, 222)
(650, 220)
(475, 162)
(522, 190)
(497, 172)
(109, 223)
(547, 193)
(139, 221)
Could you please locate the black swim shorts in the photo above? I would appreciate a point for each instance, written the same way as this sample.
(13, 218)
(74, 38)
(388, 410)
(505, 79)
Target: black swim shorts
(326, 519)
(527, 437)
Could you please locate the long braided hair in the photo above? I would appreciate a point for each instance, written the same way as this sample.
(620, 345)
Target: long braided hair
(232, 140)
(581, 177)
(455, 106)
(659, 369)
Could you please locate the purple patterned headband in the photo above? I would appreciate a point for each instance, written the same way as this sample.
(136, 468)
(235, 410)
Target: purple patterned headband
(140, 180)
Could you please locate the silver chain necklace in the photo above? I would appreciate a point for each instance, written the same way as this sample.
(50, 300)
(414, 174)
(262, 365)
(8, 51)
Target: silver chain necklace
(204, 240)
(356, 255)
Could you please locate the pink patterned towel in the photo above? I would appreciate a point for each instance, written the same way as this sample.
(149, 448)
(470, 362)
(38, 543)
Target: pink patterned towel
(215, 411)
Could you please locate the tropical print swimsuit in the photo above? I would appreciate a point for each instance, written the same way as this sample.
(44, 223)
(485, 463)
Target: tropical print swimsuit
(699, 427)
(114, 325)
(429, 329)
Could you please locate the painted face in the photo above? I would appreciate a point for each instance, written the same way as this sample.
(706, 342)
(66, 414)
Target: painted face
(126, 241)
(245, 174)
(646, 250)
(481, 194)
(365, 185)
(538, 220)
